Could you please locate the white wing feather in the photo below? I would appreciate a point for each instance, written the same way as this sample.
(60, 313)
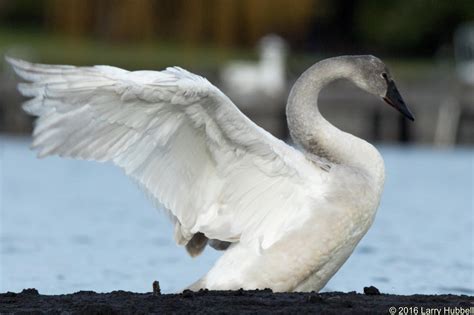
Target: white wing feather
(180, 138)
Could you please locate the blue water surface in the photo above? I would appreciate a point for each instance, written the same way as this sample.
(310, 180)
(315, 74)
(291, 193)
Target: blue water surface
(69, 225)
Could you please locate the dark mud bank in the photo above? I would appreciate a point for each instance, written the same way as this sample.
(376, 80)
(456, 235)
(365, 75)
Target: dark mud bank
(207, 302)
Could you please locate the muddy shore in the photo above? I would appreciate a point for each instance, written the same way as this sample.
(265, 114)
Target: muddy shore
(233, 302)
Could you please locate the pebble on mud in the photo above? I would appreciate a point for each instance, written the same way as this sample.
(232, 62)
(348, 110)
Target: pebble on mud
(156, 288)
(371, 290)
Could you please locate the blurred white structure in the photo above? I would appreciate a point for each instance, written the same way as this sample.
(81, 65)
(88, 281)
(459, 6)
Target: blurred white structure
(464, 53)
(447, 126)
(451, 109)
(266, 79)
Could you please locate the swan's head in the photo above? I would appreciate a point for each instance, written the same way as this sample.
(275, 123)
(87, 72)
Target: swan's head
(272, 47)
(372, 75)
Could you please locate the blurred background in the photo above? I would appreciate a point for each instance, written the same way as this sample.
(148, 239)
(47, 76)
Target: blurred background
(69, 225)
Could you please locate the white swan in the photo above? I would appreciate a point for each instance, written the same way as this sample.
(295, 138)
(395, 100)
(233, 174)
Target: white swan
(250, 82)
(288, 218)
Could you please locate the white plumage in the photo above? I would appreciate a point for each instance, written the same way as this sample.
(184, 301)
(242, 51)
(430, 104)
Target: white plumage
(291, 217)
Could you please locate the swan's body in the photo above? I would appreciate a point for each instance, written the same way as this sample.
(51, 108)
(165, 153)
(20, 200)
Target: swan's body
(248, 81)
(288, 218)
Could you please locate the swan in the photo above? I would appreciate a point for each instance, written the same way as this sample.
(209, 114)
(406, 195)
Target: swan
(251, 82)
(287, 218)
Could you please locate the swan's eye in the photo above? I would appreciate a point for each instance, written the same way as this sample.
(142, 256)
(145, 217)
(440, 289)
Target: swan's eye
(385, 76)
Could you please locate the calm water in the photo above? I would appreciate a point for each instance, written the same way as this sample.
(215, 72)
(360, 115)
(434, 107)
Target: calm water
(70, 225)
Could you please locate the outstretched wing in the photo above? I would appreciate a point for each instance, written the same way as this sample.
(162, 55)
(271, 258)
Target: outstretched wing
(179, 137)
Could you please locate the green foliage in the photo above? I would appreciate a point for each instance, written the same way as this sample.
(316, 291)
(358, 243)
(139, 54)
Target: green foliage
(420, 25)
(49, 48)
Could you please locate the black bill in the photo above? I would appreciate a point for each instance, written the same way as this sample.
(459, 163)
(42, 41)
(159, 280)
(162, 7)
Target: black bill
(394, 99)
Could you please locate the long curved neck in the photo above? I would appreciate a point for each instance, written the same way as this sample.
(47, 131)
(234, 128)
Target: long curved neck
(315, 134)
